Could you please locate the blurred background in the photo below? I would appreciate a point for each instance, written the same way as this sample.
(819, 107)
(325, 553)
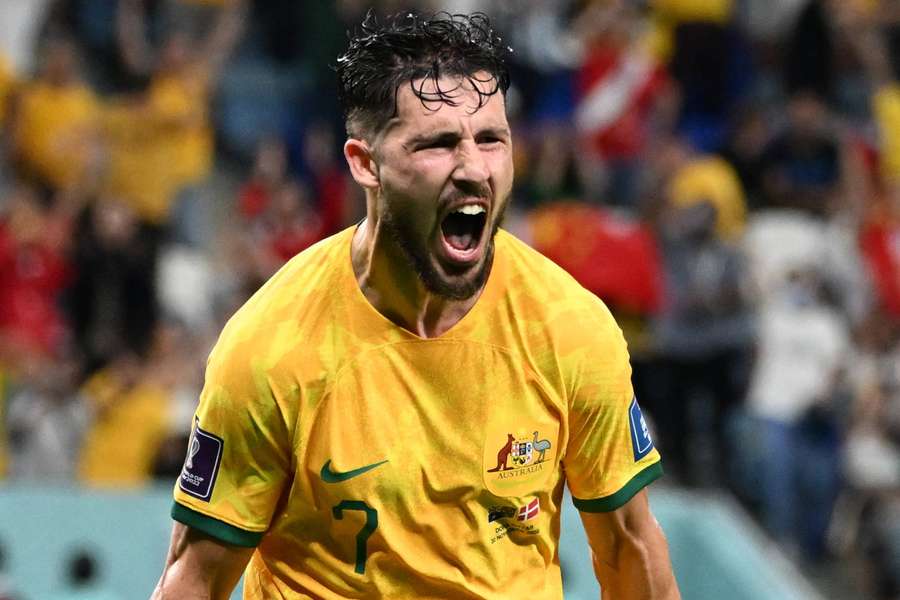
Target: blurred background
(725, 174)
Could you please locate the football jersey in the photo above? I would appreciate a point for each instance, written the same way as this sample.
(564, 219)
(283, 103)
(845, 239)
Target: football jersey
(363, 461)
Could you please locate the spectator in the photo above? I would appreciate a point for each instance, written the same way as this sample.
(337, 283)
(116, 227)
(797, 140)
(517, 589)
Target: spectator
(616, 257)
(286, 227)
(7, 87)
(323, 168)
(620, 91)
(744, 150)
(704, 335)
(112, 300)
(809, 56)
(882, 254)
(269, 173)
(34, 271)
(55, 127)
(690, 178)
(291, 224)
(871, 457)
(881, 223)
(177, 102)
(46, 421)
(138, 169)
(701, 46)
(803, 163)
(803, 344)
(130, 414)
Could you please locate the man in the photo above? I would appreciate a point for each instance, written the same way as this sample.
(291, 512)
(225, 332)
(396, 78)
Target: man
(396, 412)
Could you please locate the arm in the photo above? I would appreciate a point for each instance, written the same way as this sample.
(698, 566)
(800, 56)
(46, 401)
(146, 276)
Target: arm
(199, 567)
(225, 35)
(133, 46)
(630, 554)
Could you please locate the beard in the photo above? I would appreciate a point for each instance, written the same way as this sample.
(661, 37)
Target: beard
(403, 233)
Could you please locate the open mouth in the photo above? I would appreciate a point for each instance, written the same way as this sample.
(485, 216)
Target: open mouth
(462, 229)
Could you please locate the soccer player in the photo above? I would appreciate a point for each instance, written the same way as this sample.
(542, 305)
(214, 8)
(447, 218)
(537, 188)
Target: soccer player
(395, 413)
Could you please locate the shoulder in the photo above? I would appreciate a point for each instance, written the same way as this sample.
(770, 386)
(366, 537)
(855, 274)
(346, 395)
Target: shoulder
(540, 291)
(286, 310)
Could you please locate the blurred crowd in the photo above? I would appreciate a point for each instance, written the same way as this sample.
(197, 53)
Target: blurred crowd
(725, 174)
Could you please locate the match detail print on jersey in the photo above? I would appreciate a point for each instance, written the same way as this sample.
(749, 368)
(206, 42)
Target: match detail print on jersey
(201, 465)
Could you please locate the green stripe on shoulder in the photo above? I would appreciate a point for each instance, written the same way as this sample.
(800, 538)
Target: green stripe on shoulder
(617, 500)
(215, 528)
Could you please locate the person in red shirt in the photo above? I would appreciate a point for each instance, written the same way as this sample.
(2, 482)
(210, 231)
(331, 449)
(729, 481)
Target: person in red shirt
(33, 273)
(879, 241)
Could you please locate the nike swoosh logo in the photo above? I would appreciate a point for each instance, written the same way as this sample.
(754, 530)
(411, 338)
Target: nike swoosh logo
(329, 476)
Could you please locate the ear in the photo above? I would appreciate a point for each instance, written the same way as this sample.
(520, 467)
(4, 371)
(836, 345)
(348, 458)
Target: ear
(361, 162)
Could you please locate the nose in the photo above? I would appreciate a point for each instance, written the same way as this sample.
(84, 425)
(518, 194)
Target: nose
(471, 166)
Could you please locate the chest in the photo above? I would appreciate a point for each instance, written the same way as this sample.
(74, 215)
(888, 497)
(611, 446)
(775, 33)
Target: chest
(432, 423)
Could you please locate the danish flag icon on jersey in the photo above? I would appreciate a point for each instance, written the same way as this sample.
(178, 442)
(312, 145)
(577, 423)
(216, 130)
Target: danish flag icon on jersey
(529, 511)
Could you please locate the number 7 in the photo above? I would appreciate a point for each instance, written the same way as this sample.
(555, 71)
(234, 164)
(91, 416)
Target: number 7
(364, 533)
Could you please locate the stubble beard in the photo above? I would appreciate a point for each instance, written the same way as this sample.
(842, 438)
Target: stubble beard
(402, 233)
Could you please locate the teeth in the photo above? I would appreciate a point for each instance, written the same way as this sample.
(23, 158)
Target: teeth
(470, 209)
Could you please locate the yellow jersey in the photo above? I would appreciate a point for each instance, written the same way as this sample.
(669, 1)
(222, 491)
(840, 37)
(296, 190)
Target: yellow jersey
(140, 163)
(363, 461)
(179, 105)
(886, 106)
(712, 179)
(7, 86)
(56, 125)
(129, 426)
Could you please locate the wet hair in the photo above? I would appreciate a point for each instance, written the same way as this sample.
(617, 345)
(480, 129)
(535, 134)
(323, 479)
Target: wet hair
(409, 49)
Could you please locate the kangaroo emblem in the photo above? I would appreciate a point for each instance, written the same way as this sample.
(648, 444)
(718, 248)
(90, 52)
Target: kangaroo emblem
(503, 455)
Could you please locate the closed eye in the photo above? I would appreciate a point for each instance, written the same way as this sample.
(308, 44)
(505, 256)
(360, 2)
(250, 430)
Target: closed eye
(491, 136)
(440, 142)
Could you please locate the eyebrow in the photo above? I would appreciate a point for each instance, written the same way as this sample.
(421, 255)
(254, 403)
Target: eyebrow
(498, 132)
(452, 136)
(430, 138)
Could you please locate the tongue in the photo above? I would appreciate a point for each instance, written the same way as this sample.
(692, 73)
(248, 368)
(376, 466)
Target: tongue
(462, 231)
(460, 241)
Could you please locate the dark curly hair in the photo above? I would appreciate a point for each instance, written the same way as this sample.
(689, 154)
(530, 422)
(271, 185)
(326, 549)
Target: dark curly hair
(413, 49)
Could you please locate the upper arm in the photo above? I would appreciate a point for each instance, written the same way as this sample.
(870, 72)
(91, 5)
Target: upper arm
(224, 37)
(609, 455)
(199, 566)
(239, 461)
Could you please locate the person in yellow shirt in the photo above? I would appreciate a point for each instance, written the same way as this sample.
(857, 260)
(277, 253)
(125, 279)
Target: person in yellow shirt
(691, 178)
(7, 86)
(395, 414)
(139, 169)
(55, 131)
(173, 116)
(130, 415)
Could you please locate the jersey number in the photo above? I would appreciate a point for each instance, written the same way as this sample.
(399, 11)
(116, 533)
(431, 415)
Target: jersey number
(364, 533)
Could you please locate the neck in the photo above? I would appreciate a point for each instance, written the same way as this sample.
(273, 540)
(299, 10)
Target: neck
(391, 285)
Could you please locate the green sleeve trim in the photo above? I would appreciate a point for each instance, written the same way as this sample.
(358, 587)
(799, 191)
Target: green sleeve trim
(617, 500)
(215, 528)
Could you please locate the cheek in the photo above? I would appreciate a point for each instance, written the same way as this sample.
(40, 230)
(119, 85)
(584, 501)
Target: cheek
(503, 170)
(417, 175)
(409, 197)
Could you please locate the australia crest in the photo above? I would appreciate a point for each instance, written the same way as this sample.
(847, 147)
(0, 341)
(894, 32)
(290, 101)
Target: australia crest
(515, 460)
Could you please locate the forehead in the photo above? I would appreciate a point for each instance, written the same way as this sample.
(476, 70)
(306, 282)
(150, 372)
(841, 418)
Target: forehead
(423, 107)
